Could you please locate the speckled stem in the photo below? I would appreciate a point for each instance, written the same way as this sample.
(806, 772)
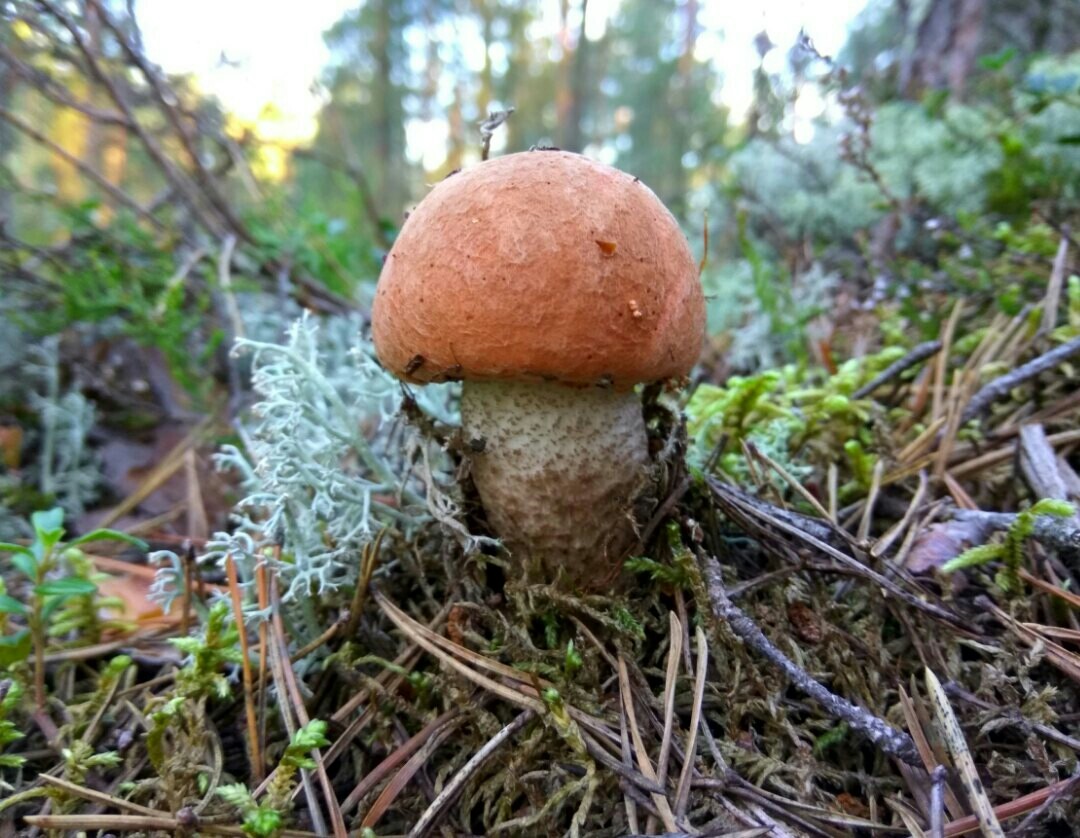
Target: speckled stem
(558, 474)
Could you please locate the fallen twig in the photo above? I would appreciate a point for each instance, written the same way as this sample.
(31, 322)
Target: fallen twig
(917, 355)
(1001, 385)
(1060, 534)
(451, 790)
(891, 741)
(735, 501)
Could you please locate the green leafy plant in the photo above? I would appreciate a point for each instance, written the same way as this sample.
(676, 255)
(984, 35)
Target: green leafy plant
(207, 655)
(41, 563)
(1010, 551)
(572, 661)
(797, 417)
(676, 574)
(10, 696)
(175, 742)
(265, 818)
(125, 279)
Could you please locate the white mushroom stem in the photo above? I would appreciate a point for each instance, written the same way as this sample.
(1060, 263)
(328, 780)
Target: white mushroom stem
(558, 472)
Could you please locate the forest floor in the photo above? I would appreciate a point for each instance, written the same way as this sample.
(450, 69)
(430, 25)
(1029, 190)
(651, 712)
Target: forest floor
(839, 644)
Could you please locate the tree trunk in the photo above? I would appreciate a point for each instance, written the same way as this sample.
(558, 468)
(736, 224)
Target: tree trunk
(7, 138)
(946, 44)
(574, 137)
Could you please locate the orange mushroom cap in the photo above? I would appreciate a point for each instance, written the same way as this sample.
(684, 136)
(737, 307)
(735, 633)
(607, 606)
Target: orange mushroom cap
(541, 265)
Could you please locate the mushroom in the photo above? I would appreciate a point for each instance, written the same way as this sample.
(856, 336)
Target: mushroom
(550, 285)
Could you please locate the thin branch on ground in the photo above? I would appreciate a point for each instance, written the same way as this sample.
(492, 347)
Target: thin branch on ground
(887, 738)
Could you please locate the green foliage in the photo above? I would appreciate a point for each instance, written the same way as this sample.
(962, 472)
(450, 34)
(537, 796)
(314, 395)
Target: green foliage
(62, 596)
(831, 738)
(179, 714)
(676, 574)
(207, 654)
(800, 418)
(259, 820)
(124, 282)
(266, 819)
(1010, 551)
(10, 698)
(627, 622)
(81, 758)
(572, 661)
(308, 738)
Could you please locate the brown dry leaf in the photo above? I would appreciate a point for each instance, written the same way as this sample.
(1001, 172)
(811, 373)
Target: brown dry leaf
(10, 446)
(805, 622)
(853, 805)
(134, 591)
(943, 541)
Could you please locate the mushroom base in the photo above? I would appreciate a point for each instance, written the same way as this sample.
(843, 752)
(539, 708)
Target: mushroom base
(558, 474)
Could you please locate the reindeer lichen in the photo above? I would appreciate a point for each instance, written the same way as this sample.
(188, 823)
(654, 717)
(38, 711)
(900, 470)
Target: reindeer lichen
(323, 468)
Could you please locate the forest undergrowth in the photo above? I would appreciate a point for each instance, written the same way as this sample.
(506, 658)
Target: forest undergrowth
(246, 585)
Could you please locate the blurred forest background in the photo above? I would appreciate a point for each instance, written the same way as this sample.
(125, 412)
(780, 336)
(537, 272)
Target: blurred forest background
(143, 229)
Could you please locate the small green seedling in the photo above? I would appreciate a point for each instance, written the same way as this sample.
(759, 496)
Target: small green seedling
(10, 694)
(1010, 551)
(40, 563)
(265, 819)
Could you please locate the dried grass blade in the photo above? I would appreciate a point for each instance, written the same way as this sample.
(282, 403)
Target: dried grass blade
(959, 494)
(1012, 809)
(197, 526)
(95, 796)
(834, 491)
(871, 501)
(158, 475)
(670, 682)
(1061, 657)
(1054, 590)
(682, 794)
(399, 756)
(886, 541)
(419, 634)
(907, 816)
(954, 737)
(942, 365)
(628, 800)
(926, 753)
(1054, 287)
(389, 794)
(844, 559)
(660, 801)
(121, 823)
(451, 790)
(292, 690)
(919, 446)
(1005, 453)
(799, 489)
(418, 630)
(245, 670)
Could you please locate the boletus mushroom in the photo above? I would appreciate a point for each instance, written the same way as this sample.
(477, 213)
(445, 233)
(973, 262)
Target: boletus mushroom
(551, 285)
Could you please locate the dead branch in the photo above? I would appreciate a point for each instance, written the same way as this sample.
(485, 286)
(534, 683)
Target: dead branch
(1000, 386)
(57, 93)
(202, 175)
(759, 516)
(887, 738)
(176, 177)
(117, 194)
(917, 355)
